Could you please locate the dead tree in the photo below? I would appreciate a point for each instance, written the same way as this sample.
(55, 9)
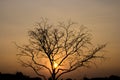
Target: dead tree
(58, 49)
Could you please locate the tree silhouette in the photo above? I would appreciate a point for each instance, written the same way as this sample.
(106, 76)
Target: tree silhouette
(58, 49)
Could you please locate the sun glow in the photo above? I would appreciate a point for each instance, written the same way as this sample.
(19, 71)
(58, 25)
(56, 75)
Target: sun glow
(55, 65)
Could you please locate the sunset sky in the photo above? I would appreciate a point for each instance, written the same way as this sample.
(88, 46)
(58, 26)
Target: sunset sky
(102, 17)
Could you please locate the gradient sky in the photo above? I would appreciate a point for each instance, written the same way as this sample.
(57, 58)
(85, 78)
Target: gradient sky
(102, 17)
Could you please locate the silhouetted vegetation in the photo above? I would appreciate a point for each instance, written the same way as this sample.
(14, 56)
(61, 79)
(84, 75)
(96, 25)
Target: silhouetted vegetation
(20, 76)
(17, 76)
(112, 77)
(69, 79)
(64, 44)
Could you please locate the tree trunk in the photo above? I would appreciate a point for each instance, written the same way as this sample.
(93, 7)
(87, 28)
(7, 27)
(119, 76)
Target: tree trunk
(53, 75)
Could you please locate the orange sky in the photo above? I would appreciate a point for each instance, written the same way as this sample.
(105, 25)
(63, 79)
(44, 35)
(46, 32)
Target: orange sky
(102, 17)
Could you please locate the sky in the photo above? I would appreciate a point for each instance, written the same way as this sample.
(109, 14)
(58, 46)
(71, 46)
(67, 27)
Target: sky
(102, 17)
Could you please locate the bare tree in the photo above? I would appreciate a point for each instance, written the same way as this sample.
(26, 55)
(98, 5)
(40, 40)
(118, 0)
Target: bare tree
(58, 49)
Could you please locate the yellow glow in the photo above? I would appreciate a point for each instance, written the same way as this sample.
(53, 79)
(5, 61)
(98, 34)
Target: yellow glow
(55, 65)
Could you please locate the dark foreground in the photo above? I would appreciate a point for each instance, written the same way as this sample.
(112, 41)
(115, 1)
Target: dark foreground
(17, 76)
(20, 76)
(112, 77)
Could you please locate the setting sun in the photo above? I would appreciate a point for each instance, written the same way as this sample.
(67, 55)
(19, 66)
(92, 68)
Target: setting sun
(55, 65)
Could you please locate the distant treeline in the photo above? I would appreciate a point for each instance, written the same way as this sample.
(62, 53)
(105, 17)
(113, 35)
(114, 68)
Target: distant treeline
(17, 76)
(112, 77)
(20, 76)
